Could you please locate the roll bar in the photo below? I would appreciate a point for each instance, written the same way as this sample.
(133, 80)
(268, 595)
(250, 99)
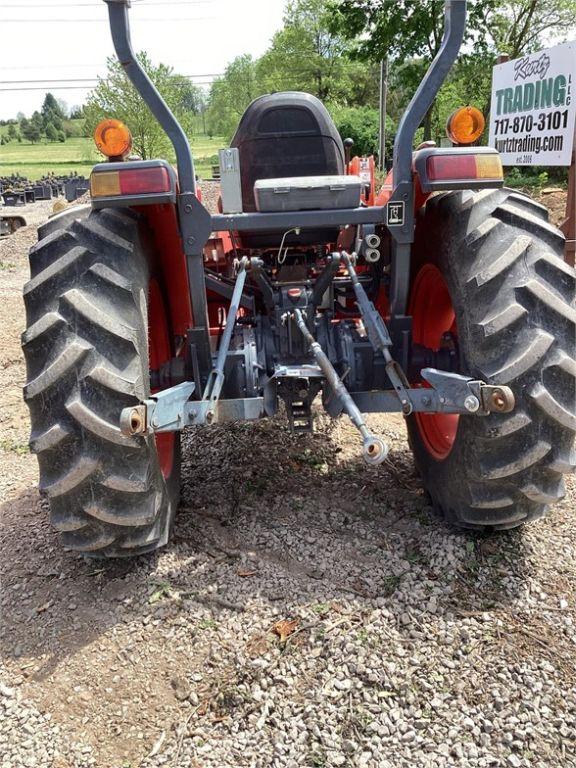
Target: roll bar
(454, 24)
(120, 29)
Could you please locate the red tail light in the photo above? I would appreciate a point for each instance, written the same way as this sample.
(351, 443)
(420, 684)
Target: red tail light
(144, 181)
(451, 167)
(461, 168)
(134, 179)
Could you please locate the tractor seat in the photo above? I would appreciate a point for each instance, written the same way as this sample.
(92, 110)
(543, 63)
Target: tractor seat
(283, 135)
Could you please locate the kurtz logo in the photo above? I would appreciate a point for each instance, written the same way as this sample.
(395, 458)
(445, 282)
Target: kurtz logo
(525, 68)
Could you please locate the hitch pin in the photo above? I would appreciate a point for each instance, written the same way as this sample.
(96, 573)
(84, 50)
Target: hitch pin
(374, 449)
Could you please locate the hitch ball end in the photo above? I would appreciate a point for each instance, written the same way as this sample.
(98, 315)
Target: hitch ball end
(499, 399)
(133, 420)
(374, 450)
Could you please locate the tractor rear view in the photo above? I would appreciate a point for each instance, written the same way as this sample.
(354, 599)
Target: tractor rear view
(442, 296)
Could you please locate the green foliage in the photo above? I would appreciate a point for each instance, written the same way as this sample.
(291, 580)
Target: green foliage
(115, 96)
(231, 94)
(402, 29)
(409, 35)
(535, 177)
(307, 56)
(362, 124)
(519, 26)
(52, 132)
(304, 56)
(51, 117)
(30, 130)
(51, 106)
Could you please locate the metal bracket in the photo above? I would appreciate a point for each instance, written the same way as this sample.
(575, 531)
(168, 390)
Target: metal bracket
(297, 372)
(172, 410)
(461, 394)
(163, 412)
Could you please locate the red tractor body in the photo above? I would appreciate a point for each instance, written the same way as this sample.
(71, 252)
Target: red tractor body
(147, 313)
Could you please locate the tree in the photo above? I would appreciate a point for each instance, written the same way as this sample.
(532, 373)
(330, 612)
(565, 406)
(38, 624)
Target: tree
(410, 34)
(362, 125)
(12, 132)
(64, 110)
(52, 105)
(37, 121)
(308, 55)
(52, 132)
(53, 112)
(231, 94)
(187, 96)
(521, 26)
(30, 131)
(407, 33)
(115, 96)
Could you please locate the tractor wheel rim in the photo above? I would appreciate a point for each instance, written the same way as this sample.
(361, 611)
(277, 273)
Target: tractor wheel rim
(160, 352)
(432, 316)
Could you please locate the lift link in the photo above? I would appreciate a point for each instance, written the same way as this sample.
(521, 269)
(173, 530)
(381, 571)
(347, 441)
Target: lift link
(216, 377)
(374, 449)
(379, 337)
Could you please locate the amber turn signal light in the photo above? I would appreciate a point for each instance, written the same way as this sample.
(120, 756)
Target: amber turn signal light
(113, 138)
(465, 125)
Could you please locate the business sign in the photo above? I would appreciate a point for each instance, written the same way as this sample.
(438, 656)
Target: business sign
(533, 107)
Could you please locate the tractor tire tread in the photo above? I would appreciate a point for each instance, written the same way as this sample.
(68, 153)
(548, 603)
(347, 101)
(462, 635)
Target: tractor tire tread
(512, 290)
(86, 350)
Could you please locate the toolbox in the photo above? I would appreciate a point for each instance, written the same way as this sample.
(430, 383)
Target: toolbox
(306, 193)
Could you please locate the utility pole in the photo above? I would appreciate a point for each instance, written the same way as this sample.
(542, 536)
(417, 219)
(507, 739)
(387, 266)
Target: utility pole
(383, 97)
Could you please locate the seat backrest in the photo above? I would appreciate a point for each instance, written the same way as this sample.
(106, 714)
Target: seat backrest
(284, 135)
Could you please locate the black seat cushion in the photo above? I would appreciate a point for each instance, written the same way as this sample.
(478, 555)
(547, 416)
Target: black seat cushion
(283, 135)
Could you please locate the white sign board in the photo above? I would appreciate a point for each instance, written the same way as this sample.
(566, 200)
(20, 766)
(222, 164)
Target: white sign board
(533, 107)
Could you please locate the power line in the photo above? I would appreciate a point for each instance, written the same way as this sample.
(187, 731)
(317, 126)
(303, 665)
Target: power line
(89, 79)
(23, 6)
(77, 66)
(74, 87)
(102, 21)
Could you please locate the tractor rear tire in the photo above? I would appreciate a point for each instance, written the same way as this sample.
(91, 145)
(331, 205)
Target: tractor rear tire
(87, 358)
(513, 300)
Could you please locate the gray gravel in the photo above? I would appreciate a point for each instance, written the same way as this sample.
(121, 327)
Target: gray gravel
(413, 645)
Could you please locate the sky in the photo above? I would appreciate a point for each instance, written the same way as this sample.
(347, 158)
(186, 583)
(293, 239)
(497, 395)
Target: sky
(69, 40)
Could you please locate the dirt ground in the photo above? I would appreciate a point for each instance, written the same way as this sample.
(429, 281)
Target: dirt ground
(415, 644)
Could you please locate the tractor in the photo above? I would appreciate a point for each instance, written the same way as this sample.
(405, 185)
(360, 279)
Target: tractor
(440, 295)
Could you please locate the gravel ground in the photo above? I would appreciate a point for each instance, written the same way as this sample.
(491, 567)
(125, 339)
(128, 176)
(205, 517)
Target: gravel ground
(309, 612)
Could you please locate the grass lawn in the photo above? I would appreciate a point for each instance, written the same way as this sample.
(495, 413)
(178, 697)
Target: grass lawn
(80, 154)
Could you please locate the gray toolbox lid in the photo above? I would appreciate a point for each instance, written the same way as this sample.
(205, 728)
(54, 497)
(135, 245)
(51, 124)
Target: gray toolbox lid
(307, 192)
